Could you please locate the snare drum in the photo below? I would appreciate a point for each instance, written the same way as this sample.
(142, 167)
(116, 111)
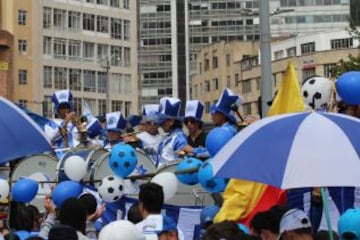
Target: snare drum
(41, 167)
(101, 169)
(187, 195)
(90, 156)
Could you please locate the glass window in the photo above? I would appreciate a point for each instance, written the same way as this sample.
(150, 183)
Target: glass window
(102, 51)
(126, 30)
(342, 43)
(126, 4)
(102, 82)
(74, 21)
(75, 79)
(23, 103)
(47, 108)
(328, 70)
(116, 105)
(246, 108)
(47, 13)
(127, 108)
(291, 52)
(60, 48)
(77, 104)
(207, 86)
(116, 28)
(308, 47)
(89, 81)
(127, 57)
(215, 84)
(102, 106)
(228, 60)
(279, 54)
(21, 17)
(116, 81)
(88, 22)
(308, 72)
(206, 64)
(74, 50)
(215, 62)
(88, 51)
(48, 77)
(102, 24)
(246, 86)
(59, 18)
(102, 2)
(47, 45)
(60, 78)
(115, 3)
(127, 84)
(22, 74)
(116, 55)
(22, 46)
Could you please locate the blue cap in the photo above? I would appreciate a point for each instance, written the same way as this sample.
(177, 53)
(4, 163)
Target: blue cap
(224, 104)
(115, 122)
(133, 120)
(194, 109)
(94, 128)
(62, 97)
(169, 109)
(208, 213)
(349, 222)
(150, 112)
(168, 224)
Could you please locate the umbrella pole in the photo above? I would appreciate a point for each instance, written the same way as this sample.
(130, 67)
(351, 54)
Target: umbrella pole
(326, 210)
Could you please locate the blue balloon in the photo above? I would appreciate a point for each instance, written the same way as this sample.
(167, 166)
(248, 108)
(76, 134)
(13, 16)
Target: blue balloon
(208, 181)
(65, 190)
(24, 190)
(122, 160)
(216, 139)
(188, 178)
(348, 87)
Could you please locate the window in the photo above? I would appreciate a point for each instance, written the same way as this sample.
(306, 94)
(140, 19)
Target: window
(126, 30)
(257, 81)
(279, 54)
(102, 106)
(200, 68)
(127, 108)
(75, 79)
(103, 2)
(47, 77)
(116, 56)
(74, 21)
(206, 64)
(126, 4)
(22, 75)
(308, 72)
(22, 46)
(307, 47)
(102, 51)
(207, 107)
(89, 81)
(207, 86)
(291, 52)
(47, 45)
(236, 79)
(22, 17)
(102, 82)
(228, 60)
(77, 104)
(246, 86)
(115, 84)
(88, 22)
(228, 81)
(215, 84)
(102, 24)
(342, 43)
(328, 70)
(246, 108)
(116, 105)
(127, 57)
(115, 28)
(60, 48)
(88, 51)
(74, 50)
(127, 84)
(115, 3)
(47, 108)
(47, 17)
(59, 18)
(60, 78)
(215, 62)
(23, 103)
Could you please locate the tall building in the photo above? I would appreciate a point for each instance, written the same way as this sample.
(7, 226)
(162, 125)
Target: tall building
(76, 45)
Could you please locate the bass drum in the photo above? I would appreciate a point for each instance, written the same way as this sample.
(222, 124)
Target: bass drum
(90, 156)
(187, 195)
(100, 169)
(42, 168)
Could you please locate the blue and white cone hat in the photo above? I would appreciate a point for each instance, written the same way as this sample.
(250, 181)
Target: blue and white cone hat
(169, 108)
(223, 105)
(150, 112)
(133, 120)
(61, 97)
(115, 122)
(194, 109)
(94, 128)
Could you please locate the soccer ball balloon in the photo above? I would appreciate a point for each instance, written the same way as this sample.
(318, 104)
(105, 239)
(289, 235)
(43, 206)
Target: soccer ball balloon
(208, 181)
(122, 160)
(316, 92)
(188, 178)
(111, 188)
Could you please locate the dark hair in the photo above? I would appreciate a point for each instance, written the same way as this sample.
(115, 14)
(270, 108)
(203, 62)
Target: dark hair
(272, 218)
(324, 235)
(34, 238)
(73, 213)
(89, 202)
(302, 231)
(151, 196)
(60, 232)
(256, 222)
(177, 124)
(37, 216)
(228, 230)
(134, 214)
(24, 219)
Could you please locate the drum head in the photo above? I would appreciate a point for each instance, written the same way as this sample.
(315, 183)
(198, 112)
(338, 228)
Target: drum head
(40, 167)
(144, 165)
(187, 195)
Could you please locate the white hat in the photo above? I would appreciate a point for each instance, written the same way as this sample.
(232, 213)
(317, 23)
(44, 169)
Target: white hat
(121, 230)
(194, 109)
(294, 219)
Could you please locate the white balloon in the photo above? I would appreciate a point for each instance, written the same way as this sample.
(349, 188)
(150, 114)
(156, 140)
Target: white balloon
(122, 229)
(4, 189)
(169, 182)
(111, 188)
(75, 168)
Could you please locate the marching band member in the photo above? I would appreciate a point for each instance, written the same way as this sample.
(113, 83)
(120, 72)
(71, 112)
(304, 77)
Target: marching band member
(175, 140)
(221, 111)
(61, 130)
(115, 126)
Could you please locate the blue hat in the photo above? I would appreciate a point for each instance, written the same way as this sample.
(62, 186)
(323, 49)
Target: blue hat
(93, 128)
(133, 120)
(169, 109)
(150, 112)
(208, 213)
(349, 222)
(194, 109)
(224, 104)
(62, 97)
(168, 224)
(115, 122)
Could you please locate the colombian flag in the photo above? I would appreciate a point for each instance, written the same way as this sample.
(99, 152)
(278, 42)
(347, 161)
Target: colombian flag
(243, 199)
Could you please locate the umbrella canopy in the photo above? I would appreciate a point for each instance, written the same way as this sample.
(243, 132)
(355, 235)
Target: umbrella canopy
(294, 151)
(19, 134)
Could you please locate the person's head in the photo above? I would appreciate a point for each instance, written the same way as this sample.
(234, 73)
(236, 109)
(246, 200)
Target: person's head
(24, 218)
(62, 110)
(218, 118)
(149, 126)
(324, 235)
(168, 230)
(256, 223)
(193, 114)
(62, 100)
(37, 217)
(115, 126)
(228, 230)
(151, 199)
(169, 113)
(89, 202)
(348, 225)
(170, 124)
(61, 231)
(73, 213)
(192, 124)
(221, 111)
(295, 225)
(271, 222)
(134, 214)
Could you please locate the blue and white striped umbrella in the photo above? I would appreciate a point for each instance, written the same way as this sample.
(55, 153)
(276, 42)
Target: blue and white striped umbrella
(295, 150)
